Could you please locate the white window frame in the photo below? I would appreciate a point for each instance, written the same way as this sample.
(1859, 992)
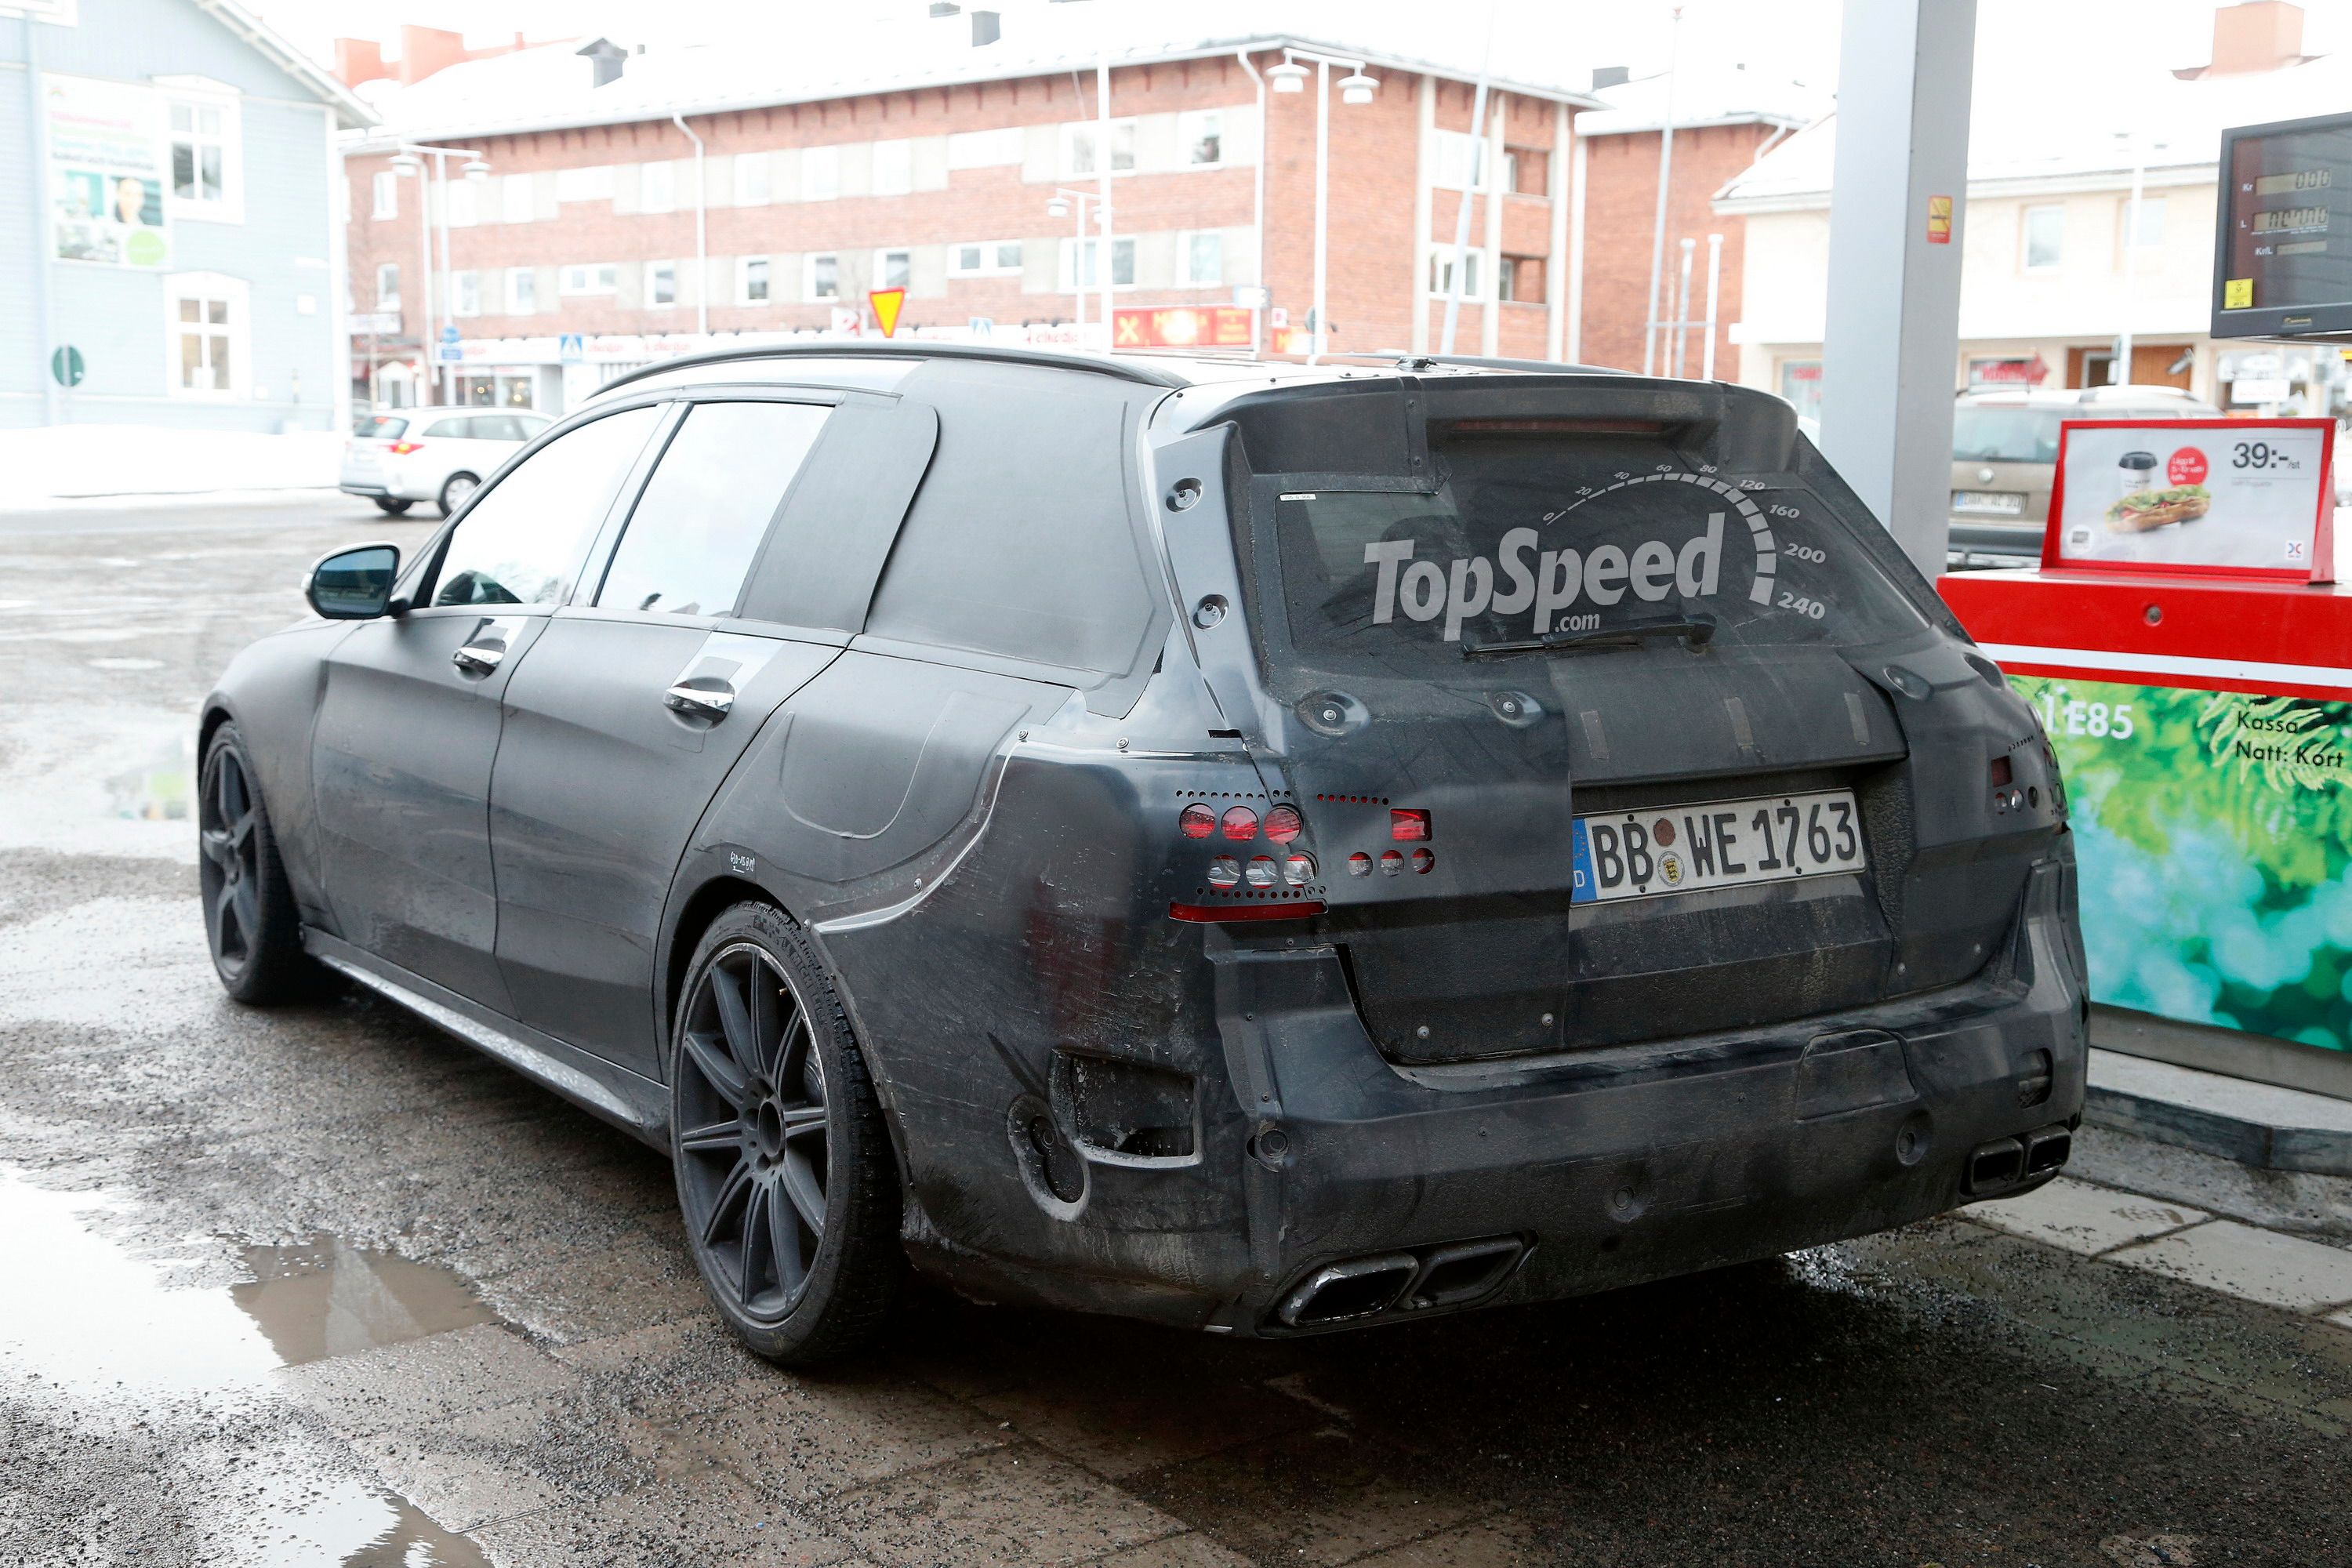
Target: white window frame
(1438, 274)
(523, 301)
(466, 293)
(1067, 263)
(1190, 124)
(2025, 261)
(894, 167)
(657, 186)
(590, 182)
(1185, 276)
(808, 277)
(746, 267)
(1449, 152)
(881, 273)
(461, 202)
(655, 269)
(744, 163)
(992, 149)
(1075, 130)
(194, 92)
(820, 174)
(2135, 223)
(579, 278)
(387, 300)
(510, 208)
(992, 258)
(383, 195)
(237, 296)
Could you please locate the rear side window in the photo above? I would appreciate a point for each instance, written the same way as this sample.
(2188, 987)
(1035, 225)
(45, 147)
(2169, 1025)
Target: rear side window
(1022, 541)
(523, 540)
(497, 428)
(1580, 540)
(380, 427)
(698, 524)
(449, 430)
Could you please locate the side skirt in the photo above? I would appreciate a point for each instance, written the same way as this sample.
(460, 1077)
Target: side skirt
(635, 1104)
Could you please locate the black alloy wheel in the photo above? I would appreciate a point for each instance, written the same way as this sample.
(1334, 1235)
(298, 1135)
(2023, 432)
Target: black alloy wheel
(251, 925)
(785, 1180)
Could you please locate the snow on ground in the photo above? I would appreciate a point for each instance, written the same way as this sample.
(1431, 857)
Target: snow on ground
(40, 467)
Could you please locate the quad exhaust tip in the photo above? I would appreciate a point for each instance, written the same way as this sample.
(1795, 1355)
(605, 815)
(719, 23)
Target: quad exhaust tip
(1356, 1288)
(2005, 1162)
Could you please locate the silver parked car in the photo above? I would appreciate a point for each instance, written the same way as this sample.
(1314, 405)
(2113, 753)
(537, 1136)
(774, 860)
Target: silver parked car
(440, 455)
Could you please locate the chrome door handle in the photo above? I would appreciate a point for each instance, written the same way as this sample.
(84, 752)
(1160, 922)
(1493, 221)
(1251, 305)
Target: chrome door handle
(478, 659)
(700, 701)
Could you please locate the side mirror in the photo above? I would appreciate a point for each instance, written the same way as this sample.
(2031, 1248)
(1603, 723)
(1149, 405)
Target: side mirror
(355, 585)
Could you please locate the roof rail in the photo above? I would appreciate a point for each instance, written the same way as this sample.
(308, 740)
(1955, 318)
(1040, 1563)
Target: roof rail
(1477, 362)
(824, 348)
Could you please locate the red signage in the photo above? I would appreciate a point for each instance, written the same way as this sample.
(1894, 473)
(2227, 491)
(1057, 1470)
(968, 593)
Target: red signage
(1179, 327)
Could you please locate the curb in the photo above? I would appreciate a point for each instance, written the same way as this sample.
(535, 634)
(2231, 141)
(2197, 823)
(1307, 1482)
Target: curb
(2253, 1124)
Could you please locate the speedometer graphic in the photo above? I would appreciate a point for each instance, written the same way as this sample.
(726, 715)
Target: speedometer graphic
(1759, 529)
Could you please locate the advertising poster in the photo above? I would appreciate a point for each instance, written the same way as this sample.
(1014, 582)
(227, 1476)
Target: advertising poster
(107, 153)
(2235, 495)
(2213, 837)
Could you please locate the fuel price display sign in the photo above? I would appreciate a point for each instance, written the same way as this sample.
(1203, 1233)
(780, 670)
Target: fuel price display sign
(2225, 497)
(2283, 255)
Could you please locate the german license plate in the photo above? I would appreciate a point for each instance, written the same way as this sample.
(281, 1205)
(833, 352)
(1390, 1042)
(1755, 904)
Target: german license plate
(1722, 844)
(1999, 501)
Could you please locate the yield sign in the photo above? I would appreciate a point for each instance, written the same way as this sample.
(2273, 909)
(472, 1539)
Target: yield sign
(886, 302)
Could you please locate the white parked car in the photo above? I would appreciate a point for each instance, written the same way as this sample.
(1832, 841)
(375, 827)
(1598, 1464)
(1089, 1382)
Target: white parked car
(440, 455)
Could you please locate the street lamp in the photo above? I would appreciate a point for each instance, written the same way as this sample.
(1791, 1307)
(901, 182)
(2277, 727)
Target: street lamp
(1355, 88)
(1059, 205)
(408, 163)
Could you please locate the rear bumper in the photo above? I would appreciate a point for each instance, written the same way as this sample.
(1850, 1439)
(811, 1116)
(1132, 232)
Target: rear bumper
(1605, 1168)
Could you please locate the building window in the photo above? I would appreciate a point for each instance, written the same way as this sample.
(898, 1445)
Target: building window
(1201, 138)
(1122, 265)
(1441, 273)
(387, 286)
(204, 174)
(893, 168)
(590, 184)
(750, 279)
(893, 268)
(461, 202)
(1521, 280)
(752, 180)
(984, 149)
(824, 279)
(1526, 171)
(2144, 221)
(2045, 236)
(590, 278)
(1800, 384)
(984, 257)
(208, 335)
(522, 292)
(820, 174)
(661, 283)
(1078, 147)
(466, 288)
(385, 186)
(1461, 158)
(514, 199)
(1203, 256)
(657, 187)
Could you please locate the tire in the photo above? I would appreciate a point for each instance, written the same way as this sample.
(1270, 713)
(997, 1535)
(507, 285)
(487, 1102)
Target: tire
(454, 490)
(786, 1180)
(252, 928)
(393, 505)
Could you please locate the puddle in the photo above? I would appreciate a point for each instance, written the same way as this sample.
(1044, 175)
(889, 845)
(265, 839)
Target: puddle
(161, 789)
(330, 1298)
(125, 663)
(90, 1339)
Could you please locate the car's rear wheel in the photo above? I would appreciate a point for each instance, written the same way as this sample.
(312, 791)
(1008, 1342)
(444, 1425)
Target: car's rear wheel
(251, 925)
(454, 490)
(785, 1177)
(393, 504)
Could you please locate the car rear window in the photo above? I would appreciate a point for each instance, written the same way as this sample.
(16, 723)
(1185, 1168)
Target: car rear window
(1984, 435)
(1585, 538)
(380, 427)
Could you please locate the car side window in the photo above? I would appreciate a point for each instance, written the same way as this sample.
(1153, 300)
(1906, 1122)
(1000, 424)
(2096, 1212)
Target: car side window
(522, 541)
(448, 429)
(497, 428)
(691, 540)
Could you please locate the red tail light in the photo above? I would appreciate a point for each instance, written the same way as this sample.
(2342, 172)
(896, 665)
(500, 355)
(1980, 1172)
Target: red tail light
(1284, 824)
(1240, 822)
(401, 448)
(1408, 826)
(1196, 821)
(1220, 914)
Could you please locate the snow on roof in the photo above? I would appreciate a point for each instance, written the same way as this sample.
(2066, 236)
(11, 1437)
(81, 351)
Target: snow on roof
(1704, 93)
(2028, 130)
(816, 56)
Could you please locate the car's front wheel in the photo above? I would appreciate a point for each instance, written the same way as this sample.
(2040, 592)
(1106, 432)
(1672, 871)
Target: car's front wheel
(454, 490)
(785, 1177)
(251, 923)
(393, 504)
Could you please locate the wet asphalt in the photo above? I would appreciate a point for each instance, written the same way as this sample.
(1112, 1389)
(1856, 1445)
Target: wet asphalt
(321, 1286)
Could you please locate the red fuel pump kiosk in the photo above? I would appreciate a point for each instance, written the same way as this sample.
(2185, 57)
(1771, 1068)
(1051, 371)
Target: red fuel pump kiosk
(2190, 651)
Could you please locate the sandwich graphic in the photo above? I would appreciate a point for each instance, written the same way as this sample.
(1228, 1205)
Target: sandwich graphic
(2145, 509)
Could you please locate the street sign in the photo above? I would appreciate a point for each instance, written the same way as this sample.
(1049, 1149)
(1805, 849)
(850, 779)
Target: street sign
(847, 323)
(449, 353)
(1252, 296)
(887, 303)
(982, 326)
(449, 335)
(67, 365)
(570, 348)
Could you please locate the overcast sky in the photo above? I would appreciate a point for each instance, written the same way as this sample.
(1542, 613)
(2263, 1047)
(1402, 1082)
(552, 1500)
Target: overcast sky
(1797, 38)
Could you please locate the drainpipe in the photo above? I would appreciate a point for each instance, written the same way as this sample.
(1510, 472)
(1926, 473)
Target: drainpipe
(1650, 344)
(1258, 209)
(38, 188)
(1470, 184)
(1102, 185)
(702, 206)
